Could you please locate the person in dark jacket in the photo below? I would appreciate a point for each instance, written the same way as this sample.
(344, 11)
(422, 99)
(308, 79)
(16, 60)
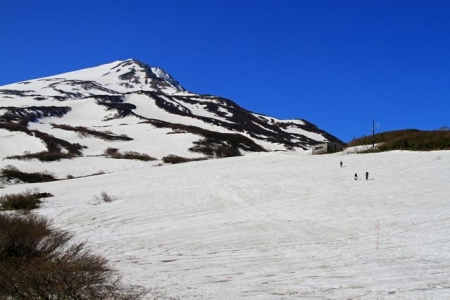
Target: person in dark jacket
(356, 176)
(367, 175)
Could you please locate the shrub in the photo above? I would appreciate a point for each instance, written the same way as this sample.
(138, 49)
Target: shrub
(115, 153)
(85, 132)
(30, 199)
(175, 159)
(104, 198)
(40, 262)
(11, 126)
(111, 151)
(99, 172)
(215, 148)
(138, 156)
(176, 131)
(11, 173)
(43, 156)
(55, 144)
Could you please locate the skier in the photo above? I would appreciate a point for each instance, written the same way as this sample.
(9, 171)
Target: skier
(356, 176)
(341, 163)
(367, 175)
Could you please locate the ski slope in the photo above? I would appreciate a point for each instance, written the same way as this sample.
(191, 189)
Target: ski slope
(280, 225)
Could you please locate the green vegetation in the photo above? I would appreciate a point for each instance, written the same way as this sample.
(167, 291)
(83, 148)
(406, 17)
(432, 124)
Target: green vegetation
(410, 139)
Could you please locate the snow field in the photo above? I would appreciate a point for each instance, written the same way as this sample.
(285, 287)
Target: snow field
(18, 142)
(270, 225)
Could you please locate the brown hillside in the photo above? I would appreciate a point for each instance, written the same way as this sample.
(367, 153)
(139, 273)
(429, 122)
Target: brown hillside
(409, 139)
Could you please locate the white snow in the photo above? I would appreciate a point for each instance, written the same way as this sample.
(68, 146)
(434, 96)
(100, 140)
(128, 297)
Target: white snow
(16, 143)
(156, 142)
(147, 108)
(312, 135)
(107, 75)
(225, 111)
(268, 225)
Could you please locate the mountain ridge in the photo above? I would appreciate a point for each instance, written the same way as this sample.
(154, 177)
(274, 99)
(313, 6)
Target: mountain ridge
(151, 103)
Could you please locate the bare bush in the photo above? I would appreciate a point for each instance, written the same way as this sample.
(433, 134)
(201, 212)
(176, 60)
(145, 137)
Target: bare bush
(115, 153)
(175, 159)
(84, 132)
(40, 262)
(56, 145)
(111, 151)
(30, 199)
(137, 155)
(12, 173)
(44, 156)
(104, 197)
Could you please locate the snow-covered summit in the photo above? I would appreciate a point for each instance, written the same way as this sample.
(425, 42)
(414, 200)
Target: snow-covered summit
(152, 105)
(113, 78)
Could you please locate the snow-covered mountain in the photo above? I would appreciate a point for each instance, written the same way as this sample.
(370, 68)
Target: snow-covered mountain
(278, 225)
(130, 106)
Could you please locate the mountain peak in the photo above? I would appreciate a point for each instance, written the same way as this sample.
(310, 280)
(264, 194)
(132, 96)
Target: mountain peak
(117, 77)
(135, 72)
(154, 105)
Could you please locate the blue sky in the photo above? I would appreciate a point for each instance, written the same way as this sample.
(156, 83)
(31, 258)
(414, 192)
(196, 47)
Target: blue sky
(334, 63)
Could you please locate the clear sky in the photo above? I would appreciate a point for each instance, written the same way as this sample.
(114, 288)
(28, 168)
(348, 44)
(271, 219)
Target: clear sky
(337, 64)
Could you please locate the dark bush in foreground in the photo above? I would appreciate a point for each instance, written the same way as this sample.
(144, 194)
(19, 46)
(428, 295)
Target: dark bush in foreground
(28, 200)
(40, 262)
(11, 173)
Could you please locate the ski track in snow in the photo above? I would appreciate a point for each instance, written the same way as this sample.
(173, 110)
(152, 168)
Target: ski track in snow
(268, 225)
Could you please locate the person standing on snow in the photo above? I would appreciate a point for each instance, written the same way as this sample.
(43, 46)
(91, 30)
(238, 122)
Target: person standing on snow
(341, 163)
(356, 176)
(367, 175)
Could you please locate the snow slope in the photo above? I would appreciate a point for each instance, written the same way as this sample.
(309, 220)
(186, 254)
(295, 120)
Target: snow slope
(268, 225)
